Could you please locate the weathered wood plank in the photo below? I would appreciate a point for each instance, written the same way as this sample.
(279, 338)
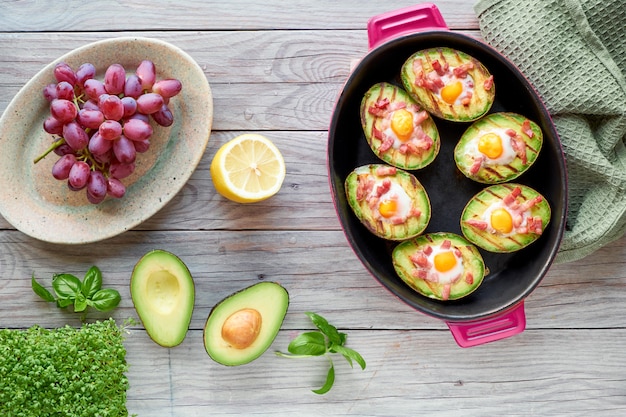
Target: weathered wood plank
(77, 15)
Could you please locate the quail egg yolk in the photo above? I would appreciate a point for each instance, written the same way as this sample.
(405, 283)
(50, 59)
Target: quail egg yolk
(490, 145)
(402, 124)
(501, 220)
(444, 261)
(388, 208)
(451, 92)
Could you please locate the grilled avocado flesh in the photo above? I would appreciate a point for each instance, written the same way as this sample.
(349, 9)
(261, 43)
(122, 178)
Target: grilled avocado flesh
(443, 266)
(397, 130)
(498, 148)
(505, 218)
(449, 84)
(390, 202)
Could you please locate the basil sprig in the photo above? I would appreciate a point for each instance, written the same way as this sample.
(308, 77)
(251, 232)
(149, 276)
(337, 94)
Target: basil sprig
(82, 294)
(326, 341)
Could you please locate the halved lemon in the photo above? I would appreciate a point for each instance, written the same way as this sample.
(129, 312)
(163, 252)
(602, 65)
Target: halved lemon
(248, 168)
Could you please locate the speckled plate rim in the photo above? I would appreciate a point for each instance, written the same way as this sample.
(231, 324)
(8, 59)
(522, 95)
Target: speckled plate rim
(43, 208)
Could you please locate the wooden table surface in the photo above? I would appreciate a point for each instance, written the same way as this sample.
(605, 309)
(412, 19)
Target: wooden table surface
(276, 68)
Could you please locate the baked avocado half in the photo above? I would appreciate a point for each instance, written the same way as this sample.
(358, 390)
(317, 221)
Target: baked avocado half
(397, 130)
(390, 202)
(505, 218)
(242, 326)
(498, 148)
(443, 266)
(163, 292)
(449, 84)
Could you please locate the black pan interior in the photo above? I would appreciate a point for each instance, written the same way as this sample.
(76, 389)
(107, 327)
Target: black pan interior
(512, 276)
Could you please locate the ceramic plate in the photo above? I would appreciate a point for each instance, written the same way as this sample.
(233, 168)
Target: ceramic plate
(43, 207)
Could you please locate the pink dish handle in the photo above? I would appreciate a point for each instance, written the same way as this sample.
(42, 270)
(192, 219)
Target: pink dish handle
(503, 325)
(390, 25)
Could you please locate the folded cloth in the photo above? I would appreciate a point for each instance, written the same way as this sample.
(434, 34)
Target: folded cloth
(574, 53)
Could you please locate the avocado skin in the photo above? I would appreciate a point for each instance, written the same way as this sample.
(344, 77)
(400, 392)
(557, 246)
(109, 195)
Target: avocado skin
(408, 161)
(270, 299)
(492, 242)
(496, 174)
(482, 99)
(167, 326)
(472, 261)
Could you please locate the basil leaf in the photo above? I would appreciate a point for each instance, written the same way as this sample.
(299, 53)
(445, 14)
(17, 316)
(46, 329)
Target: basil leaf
(66, 285)
(106, 299)
(80, 303)
(40, 290)
(330, 380)
(328, 329)
(92, 282)
(349, 354)
(309, 343)
(64, 302)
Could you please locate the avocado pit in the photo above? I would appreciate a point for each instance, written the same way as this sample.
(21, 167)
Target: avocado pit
(242, 328)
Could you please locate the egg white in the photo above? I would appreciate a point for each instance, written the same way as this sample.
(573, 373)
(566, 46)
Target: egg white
(508, 153)
(448, 276)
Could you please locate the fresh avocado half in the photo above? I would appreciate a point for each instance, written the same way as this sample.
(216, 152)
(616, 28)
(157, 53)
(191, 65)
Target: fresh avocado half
(443, 266)
(242, 326)
(489, 218)
(498, 148)
(449, 84)
(390, 202)
(397, 130)
(163, 292)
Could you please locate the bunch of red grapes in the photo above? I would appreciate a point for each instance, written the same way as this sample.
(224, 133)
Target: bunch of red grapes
(103, 125)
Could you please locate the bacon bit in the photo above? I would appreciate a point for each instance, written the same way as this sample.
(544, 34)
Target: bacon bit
(378, 109)
(458, 253)
(446, 244)
(527, 205)
(383, 188)
(462, 70)
(535, 225)
(445, 293)
(519, 146)
(478, 224)
(511, 132)
(384, 171)
(397, 105)
(420, 273)
(488, 84)
(438, 68)
(467, 100)
(420, 259)
(377, 133)
(364, 187)
(427, 250)
(387, 143)
(478, 162)
(415, 212)
(420, 117)
(527, 129)
(469, 278)
(511, 198)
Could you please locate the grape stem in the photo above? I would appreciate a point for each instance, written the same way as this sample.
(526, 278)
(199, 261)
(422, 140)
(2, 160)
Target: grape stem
(52, 147)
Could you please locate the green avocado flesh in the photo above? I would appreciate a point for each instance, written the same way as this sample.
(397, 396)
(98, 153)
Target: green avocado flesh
(241, 327)
(420, 69)
(484, 211)
(401, 212)
(383, 103)
(520, 141)
(416, 262)
(163, 293)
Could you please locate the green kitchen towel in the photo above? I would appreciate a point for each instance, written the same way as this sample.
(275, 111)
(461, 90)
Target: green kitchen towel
(574, 53)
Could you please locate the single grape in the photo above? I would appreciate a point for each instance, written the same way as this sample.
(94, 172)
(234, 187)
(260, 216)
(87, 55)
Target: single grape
(130, 106)
(114, 79)
(94, 200)
(98, 145)
(91, 119)
(119, 170)
(53, 126)
(61, 168)
(115, 188)
(79, 175)
(168, 87)
(124, 150)
(149, 103)
(110, 129)
(65, 90)
(90, 105)
(163, 116)
(63, 72)
(146, 71)
(140, 116)
(112, 107)
(133, 87)
(94, 88)
(106, 157)
(64, 149)
(63, 110)
(75, 136)
(50, 92)
(135, 129)
(85, 72)
(97, 185)
(141, 146)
